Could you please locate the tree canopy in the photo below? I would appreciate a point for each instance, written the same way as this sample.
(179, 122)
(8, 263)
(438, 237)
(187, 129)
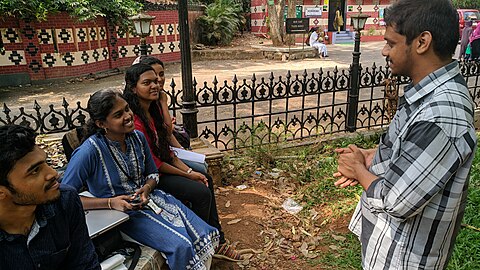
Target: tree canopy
(116, 11)
(466, 4)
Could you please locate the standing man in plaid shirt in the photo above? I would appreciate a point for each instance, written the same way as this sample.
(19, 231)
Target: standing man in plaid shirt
(415, 182)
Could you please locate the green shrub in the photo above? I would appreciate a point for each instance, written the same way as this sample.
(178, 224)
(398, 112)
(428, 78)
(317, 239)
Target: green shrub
(221, 21)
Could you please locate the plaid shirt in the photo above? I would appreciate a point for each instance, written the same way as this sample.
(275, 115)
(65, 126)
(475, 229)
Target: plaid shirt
(410, 215)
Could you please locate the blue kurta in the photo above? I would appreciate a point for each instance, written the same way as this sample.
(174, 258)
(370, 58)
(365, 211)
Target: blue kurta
(186, 240)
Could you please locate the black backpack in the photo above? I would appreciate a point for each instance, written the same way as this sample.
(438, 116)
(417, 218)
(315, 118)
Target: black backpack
(182, 136)
(111, 242)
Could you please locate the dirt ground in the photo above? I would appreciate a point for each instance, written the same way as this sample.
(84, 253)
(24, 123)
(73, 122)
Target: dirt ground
(253, 218)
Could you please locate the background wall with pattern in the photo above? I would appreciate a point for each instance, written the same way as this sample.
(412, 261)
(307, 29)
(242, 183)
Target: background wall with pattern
(63, 47)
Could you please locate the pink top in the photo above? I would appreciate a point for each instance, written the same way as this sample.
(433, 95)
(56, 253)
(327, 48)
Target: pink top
(141, 127)
(475, 34)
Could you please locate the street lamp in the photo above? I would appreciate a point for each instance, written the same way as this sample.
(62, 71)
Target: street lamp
(189, 109)
(142, 24)
(358, 23)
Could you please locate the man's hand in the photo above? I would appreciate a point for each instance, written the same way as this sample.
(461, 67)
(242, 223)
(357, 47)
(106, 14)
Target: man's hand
(353, 164)
(349, 163)
(344, 182)
(368, 154)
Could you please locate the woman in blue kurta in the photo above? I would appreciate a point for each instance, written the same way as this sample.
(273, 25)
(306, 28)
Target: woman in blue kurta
(115, 164)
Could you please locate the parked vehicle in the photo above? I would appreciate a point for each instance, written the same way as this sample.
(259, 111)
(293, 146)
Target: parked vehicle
(468, 14)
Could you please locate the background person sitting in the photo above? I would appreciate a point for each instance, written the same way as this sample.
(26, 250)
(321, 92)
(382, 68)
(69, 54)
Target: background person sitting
(316, 41)
(42, 223)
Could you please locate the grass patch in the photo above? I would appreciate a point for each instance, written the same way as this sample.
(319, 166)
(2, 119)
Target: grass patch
(467, 247)
(341, 254)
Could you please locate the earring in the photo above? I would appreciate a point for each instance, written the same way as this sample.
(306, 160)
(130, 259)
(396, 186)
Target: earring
(105, 130)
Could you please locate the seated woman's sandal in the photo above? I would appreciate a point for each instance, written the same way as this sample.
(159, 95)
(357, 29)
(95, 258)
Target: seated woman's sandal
(228, 253)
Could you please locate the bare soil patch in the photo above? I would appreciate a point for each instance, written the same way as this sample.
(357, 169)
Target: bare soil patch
(253, 218)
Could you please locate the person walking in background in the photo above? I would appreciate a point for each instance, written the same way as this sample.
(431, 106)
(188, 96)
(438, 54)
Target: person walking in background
(42, 223)
(338, 21)
(316, 40)
(475, 43)
(116, 166)
(465, 40)
(415, 183)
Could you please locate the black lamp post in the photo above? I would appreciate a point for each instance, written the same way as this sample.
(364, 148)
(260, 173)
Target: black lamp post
(142, 24)
(189, 110)
(358, 23)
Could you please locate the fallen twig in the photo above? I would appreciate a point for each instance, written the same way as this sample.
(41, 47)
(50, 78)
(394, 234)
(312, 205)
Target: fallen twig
(470, 227)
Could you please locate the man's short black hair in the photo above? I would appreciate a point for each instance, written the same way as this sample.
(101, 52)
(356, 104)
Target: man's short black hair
(15, 142)
(412, 17)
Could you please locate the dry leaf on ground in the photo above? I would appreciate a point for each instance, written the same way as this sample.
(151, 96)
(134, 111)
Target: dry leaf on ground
(234, 221)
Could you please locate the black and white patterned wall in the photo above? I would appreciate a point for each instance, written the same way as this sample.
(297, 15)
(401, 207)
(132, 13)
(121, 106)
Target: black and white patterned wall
(11, 57)
(90, 35)
(160, 45)
(32, 47)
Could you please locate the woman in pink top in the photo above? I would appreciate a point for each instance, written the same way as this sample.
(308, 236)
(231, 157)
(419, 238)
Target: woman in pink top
(475, 34)
(142, 94)
(475, 43)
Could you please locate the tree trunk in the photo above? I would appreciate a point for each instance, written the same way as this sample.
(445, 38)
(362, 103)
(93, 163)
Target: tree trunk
(291, 13)
(276, 22)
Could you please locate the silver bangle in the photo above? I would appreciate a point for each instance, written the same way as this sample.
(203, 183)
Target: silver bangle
(189, 170)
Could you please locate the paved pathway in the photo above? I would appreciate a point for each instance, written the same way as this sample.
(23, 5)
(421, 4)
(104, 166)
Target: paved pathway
(340, 56)
(203, 71)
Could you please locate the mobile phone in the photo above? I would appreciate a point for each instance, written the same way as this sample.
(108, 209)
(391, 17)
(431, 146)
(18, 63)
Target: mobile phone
(136, 200)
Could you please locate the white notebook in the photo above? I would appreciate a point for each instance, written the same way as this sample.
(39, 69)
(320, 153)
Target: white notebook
(188, 155)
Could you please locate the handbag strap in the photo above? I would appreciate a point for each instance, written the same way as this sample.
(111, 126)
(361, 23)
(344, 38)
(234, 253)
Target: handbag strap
(136, 255)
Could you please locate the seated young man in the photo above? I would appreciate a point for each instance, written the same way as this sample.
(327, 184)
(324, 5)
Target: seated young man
(42, 223)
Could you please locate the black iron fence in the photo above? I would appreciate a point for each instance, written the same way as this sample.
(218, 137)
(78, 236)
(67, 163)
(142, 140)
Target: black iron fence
(268, 110)
(240, 113)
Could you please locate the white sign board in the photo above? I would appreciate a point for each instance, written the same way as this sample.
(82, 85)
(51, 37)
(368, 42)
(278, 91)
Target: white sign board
(313, 12)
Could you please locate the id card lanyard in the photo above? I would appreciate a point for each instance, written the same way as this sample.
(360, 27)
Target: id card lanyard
(121, 166)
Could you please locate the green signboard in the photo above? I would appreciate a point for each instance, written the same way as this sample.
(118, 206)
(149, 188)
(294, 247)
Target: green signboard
(298, 12)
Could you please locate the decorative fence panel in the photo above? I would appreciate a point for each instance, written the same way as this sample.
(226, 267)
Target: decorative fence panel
(241, 113)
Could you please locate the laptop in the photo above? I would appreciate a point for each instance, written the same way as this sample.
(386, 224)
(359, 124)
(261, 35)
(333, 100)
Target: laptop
(102, 220)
